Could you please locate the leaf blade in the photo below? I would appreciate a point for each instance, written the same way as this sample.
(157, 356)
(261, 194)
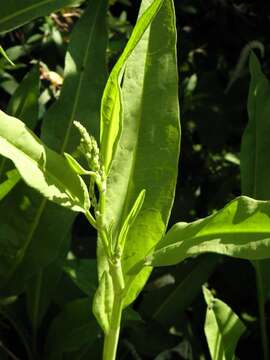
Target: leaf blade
(222, 328)
(111, 100)
(241, 229)
(146, 156)
(40, 167)
(15, 14)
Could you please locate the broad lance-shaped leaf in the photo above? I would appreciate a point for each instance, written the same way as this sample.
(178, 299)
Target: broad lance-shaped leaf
(222, 328)
(36, 220)
(16, 13)
(146, 156)
(241, 229)
(40, 167)
(111, 101)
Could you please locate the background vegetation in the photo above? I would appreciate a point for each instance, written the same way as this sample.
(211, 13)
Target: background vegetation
(214, 39)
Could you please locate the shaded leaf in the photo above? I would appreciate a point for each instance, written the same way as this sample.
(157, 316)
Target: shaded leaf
(14, 13)
(72, 329)
(255, 172)
(24, 102)
(36, 220)
(83, 273)
(167, 304)
(42, 288)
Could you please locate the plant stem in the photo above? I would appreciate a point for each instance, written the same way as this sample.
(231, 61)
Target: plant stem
(112, 337)
(262, 317)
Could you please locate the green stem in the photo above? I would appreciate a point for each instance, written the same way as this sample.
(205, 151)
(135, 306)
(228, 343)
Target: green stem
(112, 337)
(91, 219)
(262, 317)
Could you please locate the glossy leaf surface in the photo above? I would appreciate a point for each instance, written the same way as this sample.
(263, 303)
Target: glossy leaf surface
(111, 100)
(241, 229)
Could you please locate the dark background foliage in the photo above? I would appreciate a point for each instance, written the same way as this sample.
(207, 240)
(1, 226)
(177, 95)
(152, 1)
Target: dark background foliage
(213, 37)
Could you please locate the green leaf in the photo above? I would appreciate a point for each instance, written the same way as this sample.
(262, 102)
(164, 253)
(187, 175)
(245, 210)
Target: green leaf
(103, 301)
(146, 156)
(222, 328)
(37, 221)
(12, 179)
(40, 291)
(84, 81)
(75, 166)
(241, 229)
(73, 328)
(42, 287)
(111, 100)
(83, 273)
(167, 303)
(40, 167)
(24, 105)
(24, 102)
(17, 13)
(4, 54)
(255, 171)
(130, 219)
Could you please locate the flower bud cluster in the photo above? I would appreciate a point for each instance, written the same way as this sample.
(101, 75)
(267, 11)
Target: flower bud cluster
(89, 148)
